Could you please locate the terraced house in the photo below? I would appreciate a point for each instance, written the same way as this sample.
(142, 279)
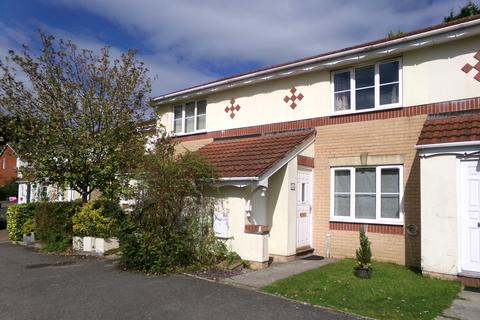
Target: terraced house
(383, 135)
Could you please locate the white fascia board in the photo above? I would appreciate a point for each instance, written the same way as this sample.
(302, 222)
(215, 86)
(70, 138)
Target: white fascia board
(442, 149)
(395, 46)
(448, 145)
(288, 157)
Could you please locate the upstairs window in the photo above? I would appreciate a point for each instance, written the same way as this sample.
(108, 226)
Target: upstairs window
(190, 117)
(368, 87)
(371, 194)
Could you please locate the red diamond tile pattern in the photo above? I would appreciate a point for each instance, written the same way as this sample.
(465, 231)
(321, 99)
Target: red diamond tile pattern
(455, 128)
(293, 97)
(251, 156)
(232, 108)
(468, 67)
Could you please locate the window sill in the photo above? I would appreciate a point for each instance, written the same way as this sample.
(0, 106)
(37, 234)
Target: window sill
(351, 112)
(397, 222)
(188, 134)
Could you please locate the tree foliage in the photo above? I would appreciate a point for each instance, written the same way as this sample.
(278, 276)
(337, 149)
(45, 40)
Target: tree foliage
(470, 9)
(171, 225)
(76, 120)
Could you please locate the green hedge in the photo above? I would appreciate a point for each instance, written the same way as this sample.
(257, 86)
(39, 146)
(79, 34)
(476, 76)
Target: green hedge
(54, 224)
(17, 216)
(98, 219)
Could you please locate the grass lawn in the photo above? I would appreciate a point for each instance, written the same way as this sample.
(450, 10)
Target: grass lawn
(394, 292)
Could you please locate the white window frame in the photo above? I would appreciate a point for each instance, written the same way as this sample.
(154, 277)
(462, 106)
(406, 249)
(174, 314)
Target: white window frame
(183, 105)
(378, 219)
(377, 86)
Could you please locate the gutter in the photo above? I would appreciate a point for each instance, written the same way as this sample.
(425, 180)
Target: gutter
(323, 58)
(447, 145)
(239, 179)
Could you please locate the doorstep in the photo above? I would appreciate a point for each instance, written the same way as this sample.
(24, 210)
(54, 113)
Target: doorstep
(304, 251)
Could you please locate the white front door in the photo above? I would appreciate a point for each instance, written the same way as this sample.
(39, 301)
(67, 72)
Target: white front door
(470, 215)
(304, 207)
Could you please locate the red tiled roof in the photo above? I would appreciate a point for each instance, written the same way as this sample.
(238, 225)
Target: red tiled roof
(251, 156)
(451, 128)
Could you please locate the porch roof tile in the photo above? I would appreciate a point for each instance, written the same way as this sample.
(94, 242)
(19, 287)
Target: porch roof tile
(251, 156)
(451, 127)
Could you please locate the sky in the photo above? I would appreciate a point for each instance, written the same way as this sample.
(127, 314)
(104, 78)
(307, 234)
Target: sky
(187, 42)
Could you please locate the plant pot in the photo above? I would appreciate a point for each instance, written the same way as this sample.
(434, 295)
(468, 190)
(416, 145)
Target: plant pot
(103, 245)
(77, 243)
(88, 244)
(363, 273)
(28, 238)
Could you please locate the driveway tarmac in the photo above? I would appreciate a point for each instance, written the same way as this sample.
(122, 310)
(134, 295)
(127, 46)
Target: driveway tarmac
(41, 286)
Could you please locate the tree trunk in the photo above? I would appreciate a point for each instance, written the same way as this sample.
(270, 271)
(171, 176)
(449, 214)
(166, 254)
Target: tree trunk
(85, 194)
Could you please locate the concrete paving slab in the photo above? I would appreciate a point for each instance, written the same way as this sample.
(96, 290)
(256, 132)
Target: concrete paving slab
(276, 271)
(465, 307)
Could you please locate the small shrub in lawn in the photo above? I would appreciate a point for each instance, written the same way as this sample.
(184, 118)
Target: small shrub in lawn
(97, 219)
(364, 257)
(54, 224)
(17, 216)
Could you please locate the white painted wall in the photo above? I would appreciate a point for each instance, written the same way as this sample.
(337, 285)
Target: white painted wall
(282, 211)
(439, 234)
(430, 74)
(279, 204)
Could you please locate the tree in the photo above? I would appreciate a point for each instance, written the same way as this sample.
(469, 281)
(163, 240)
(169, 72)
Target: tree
(171, 226)
(470, 9)
(77, 117)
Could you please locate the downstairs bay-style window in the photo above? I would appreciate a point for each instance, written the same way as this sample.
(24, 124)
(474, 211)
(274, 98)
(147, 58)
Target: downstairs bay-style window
(367, 194)
(368, 87)
(190, 117)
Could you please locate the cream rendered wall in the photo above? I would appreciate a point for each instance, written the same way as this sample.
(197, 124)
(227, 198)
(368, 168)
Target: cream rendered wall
(282, 206)
(434, 74)
(252, 247)
(439, 236)
(430, 74)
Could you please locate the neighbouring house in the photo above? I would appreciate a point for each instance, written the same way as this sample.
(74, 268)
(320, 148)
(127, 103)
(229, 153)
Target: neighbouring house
(312, 150)
(35, 191)
(8, 165)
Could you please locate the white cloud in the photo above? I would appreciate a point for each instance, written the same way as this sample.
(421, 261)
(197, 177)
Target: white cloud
(266, 31)
(184, 34)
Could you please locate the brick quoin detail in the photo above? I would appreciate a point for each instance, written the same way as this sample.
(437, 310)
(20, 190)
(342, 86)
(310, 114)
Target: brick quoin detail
(369, 227)
(431, 108)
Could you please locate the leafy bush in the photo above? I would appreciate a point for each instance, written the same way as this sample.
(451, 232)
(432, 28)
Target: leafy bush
(29, 226)
(54, 224)
(170, 227)
(97, 219)
(364, 253)
(17, 215)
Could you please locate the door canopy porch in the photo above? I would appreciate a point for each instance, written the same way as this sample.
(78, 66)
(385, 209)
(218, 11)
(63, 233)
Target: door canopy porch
(251, 160)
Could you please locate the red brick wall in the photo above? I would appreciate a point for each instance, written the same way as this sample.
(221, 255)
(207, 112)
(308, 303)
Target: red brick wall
(8, 166)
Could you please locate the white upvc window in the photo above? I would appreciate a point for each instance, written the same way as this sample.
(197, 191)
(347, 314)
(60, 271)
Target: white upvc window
(367, 194)
(365, 88)
(190, 117)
